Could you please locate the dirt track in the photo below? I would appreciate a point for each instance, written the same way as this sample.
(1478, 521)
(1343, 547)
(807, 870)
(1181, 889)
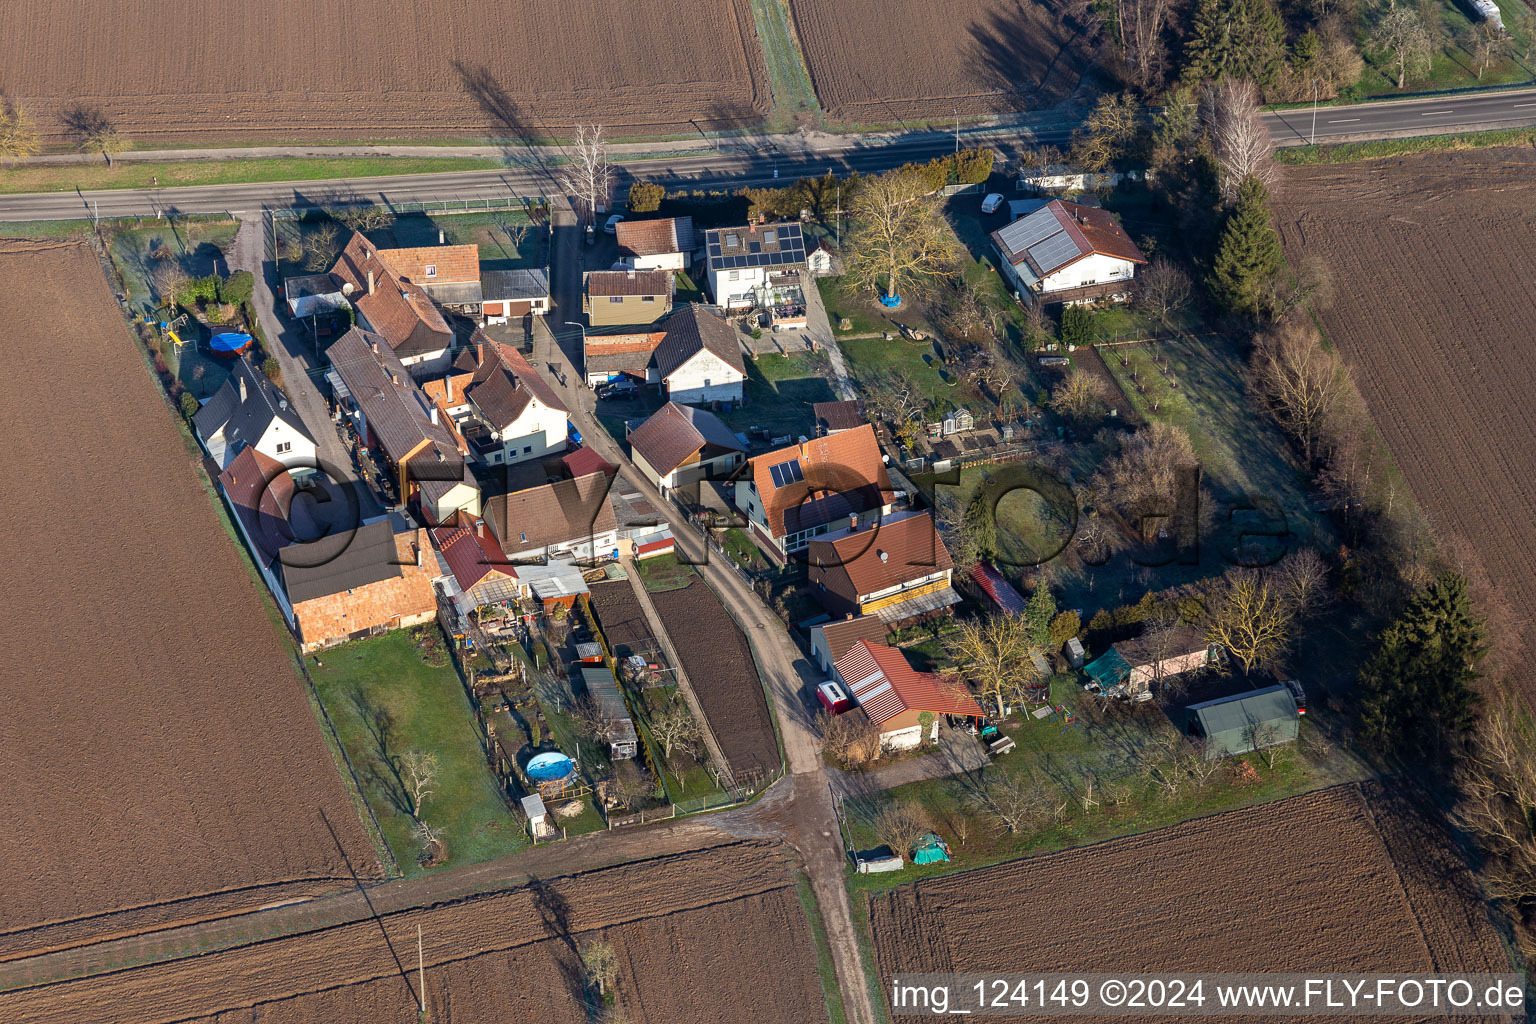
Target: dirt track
(1327, 881)
(173, 70)
(156, 742)
(716, 935)
(1431, 258)
(879, 61)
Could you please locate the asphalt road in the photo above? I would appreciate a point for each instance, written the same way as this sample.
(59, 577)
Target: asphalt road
(754, 162)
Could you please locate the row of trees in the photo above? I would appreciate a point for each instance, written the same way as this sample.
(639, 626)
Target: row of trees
(91, 129)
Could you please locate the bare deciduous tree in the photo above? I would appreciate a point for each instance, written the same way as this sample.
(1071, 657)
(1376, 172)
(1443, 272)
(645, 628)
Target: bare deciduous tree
(94, 132)
(1163, 288)
(1143, 24)
(1486, 43)
(850, 738)
(1014, 800)
(1108, 133)
(1302, 382)
(593, 719)
(1080, 397)
(419, 770)
(675, 728)
(590, 177)
(321, 246)
(1303, 580)
(431, 839)
(993, 654)
(1040, 161)
(899, 234)
(1402, 31)
(900, 826)
(600, 964)
(1235, 124)
(1247, 615)
(1497, 784)
(18, 132)
(1142, 479)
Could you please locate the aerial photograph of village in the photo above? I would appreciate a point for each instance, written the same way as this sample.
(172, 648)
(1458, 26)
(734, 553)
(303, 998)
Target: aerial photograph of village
(775, 512)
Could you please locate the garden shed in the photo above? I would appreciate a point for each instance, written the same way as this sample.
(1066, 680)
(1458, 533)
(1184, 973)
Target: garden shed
(1244, 721)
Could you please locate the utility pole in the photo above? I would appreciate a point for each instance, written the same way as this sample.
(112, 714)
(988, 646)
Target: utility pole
(957, 137)
(1314, 112)
(839, 228)
(421, 971)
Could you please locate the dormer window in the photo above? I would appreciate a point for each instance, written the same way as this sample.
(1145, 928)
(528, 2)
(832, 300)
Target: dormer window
(431, 270)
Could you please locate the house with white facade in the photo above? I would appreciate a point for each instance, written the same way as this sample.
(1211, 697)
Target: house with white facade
(905, 705)
(395, 308)
(680, 445)
(1067, 253)
(699, 359)
(746, 265)
(571, 520)
(665, 244)
(502, 407)
(249, 411)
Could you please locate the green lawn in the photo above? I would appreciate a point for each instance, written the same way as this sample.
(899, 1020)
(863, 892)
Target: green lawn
(665, 572)
(780, 392)
(789, 82)
(1348, 152)
(1452, 67)
(196, 247)
(740, 549)
(385, 701)
(90, 177)
(1109, 747)
(867, 358)
(508, 239)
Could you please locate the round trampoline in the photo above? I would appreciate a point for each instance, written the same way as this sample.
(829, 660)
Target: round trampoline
(549, 767)
(229, 344)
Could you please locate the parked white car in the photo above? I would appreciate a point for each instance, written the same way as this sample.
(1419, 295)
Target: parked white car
(612, 227)
(992, 202)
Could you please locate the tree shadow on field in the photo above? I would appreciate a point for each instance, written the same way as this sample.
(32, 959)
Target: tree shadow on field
(504, 112)
(1016, 57)
(555, 912)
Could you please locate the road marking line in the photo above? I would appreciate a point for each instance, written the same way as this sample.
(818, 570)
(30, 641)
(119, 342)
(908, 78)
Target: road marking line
(1517, 106)
(1432, 113)
(1344, 120)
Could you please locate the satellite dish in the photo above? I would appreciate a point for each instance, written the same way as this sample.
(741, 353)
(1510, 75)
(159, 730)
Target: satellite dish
(346, 289)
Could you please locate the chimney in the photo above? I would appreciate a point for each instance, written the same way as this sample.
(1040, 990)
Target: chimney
(441, 238)
(418, 553)
(448, 388)
(433, 413)
(374, 346)
(853, 521)
(370, 282)
(848, 617)
(242, 387)
(631, 273)
(394, 378)
(479, 527)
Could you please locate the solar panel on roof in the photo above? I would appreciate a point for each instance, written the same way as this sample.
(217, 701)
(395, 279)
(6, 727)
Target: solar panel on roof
(1027, 231)
(1054, 252)
(755, 247)
(714, 248)
(786, 473)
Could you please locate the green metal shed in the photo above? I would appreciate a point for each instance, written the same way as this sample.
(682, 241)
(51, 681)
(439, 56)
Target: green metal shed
(1244, 721)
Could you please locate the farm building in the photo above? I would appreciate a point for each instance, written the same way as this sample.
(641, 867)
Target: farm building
(251, 411)
(502, 407)
(603, 689)
(1244, 721)
(395, 309)
(664, 244)
(1067, 253)
(832, 640)
(795, 494)
(1130, 666)
(613, 298)
(511, 293)
(567, 519)
(897, 569)
(904, 704)
(680, 445)
(755, 265)
(554, 585)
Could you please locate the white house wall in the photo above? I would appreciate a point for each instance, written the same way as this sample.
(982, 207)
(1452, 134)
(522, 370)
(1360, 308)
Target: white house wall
(1094, 269)
(659, 261)
(540, 430)
(735, 292)
(704, 378)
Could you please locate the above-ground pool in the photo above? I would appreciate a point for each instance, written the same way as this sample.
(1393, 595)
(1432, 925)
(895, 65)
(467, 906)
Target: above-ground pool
(549, 767)
(229, 343)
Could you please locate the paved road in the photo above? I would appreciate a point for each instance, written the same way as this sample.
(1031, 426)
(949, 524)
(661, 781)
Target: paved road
(751, 161)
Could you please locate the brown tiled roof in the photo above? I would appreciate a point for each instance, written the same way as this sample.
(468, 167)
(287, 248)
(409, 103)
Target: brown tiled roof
(840, 474)
(503, 383)
(675, 432)
(656, 237)
(396, 410)
(585, 460)
(903, 547)
(629, 282)
(375, 582)
(842, 634)
(552, 514)
(398, 310)
(455, 264)
(470, 549)
(832, 416)
(885, 684)
(1104, 233)
(260, 489)
(693, 329)
(1081, 230)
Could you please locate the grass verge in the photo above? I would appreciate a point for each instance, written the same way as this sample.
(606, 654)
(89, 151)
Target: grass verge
(789, 82)
(826, 970)
(1349, 152)
(176, 174)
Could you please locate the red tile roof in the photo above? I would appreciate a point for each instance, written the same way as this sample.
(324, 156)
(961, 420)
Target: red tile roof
(998, 589)
(842, 634)
(470, 549)
(395, 308)
(629, 282)
(583, 461)
(900, 548)
(885, 685)
(656, 237)
(842, 473)
(455, 264)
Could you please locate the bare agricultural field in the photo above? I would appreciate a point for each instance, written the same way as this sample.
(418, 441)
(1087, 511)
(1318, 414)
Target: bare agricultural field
(1431, 258)
(717, 936)
(174, 70)
(1339, 880)
(159, 755)
(881, 61)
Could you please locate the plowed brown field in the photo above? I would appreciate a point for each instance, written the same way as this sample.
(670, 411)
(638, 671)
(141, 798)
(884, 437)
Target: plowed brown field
(155, 743)
(179, 70)
(713, 936)
(879, 61)
(1434, 262)
(1337, 880)
(723, 674)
